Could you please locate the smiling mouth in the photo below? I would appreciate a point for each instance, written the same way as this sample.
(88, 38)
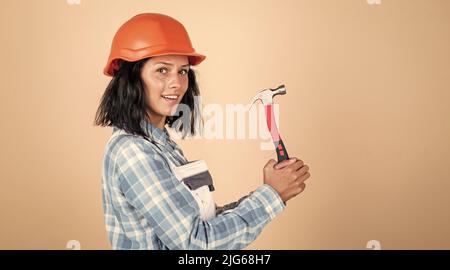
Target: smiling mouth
(172, 99)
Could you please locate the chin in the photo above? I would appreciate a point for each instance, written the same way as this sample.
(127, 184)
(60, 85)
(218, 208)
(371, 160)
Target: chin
(171, 112)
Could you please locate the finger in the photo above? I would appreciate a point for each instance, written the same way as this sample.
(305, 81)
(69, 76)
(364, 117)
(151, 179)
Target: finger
(304, 177)
(304, 169)
(300, 179)
(270, 164)
(302, 187)
(285, 163)
(298, 188)
(295, 166)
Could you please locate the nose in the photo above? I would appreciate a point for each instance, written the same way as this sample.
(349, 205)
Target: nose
(174, 81)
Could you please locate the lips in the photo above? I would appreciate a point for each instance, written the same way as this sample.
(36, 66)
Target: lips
(170, 99)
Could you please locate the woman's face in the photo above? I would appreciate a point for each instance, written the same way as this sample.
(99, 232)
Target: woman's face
(165, 81)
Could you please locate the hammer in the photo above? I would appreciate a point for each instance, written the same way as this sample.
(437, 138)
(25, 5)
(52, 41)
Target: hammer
(266, 97)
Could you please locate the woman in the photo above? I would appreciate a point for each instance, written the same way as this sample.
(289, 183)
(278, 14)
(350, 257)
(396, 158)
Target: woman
(153, 198)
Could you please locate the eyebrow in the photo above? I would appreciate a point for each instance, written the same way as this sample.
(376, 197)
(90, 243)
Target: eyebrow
(169, 64)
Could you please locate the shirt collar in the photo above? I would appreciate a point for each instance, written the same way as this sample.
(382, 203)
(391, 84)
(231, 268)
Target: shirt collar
(161, 136)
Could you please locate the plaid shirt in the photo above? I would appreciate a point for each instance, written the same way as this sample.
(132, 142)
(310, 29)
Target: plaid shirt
(146, 207)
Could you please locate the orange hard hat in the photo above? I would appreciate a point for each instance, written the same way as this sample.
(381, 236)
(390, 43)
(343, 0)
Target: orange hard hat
(150, 34)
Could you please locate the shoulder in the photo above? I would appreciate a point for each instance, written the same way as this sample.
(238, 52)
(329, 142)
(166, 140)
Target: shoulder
(122, 143)
(127, 150)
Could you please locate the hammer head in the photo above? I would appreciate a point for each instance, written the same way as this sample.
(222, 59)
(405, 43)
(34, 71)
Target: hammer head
(266, 95)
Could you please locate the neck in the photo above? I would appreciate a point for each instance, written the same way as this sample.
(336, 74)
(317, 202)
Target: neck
(157, 121)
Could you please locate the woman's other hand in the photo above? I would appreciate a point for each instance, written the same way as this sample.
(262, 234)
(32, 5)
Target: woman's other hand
(286, 177)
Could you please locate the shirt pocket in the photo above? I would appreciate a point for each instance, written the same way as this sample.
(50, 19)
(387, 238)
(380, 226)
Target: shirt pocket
(197, 179)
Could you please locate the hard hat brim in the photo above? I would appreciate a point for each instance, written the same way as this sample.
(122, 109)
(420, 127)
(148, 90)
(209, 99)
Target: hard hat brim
(130, 56)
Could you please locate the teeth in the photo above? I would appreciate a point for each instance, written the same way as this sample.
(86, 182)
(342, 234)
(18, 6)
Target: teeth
(174, 97)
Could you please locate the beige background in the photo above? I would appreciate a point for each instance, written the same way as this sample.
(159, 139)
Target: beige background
(367, 108)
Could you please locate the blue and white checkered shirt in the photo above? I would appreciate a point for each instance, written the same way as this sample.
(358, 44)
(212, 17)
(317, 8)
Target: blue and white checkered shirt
(146, 207)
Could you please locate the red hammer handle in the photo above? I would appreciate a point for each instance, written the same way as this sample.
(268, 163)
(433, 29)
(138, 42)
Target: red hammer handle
(282, 153)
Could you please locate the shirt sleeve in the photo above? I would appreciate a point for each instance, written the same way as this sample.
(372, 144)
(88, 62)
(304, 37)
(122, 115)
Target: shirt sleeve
(230, 206)
(150, 187)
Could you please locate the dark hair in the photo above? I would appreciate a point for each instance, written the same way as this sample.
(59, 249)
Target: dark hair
(124, 103)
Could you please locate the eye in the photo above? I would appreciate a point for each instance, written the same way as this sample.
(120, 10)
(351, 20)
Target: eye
(185, 71)
(160, 69)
